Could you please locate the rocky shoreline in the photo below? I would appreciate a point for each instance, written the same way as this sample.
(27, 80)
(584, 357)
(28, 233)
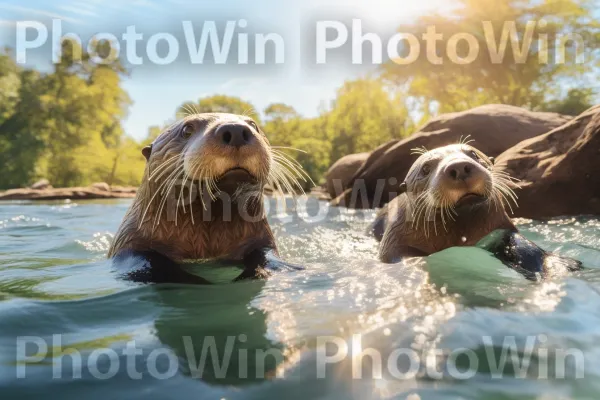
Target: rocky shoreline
(556, 159)
(93, 192)
(99, 191)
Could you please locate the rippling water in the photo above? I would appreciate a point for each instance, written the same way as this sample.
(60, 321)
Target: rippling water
(67, 324)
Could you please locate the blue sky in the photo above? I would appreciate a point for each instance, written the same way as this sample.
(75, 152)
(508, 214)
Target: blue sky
(157, 90)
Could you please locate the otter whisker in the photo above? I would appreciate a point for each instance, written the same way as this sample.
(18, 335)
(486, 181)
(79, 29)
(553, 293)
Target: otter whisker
(162, 166)
(509, 180)
(250, 112)
(289, 176)
(445, 205)
(504, 188)
(197, 173)
(172, 180)
(422, 210)
(300, 174)
(504, 194)
(426, 218)
(293, 165)
(211, 184)
(283, 174)
(282, 178)
(292, 161)
(507, 202)
(276, 186)
(163, 202)
(418, 150)
(465, 140)
(419, 204)
(289, 148)
(180, 198)
(434, 221)
(167, 171)
(507, 190)
(158, 191)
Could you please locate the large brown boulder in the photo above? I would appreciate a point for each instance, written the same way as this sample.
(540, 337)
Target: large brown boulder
(493, 128)
(559, 172)
(342, 171)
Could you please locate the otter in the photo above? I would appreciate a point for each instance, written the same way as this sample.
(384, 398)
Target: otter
(455, 196)
(201, 198)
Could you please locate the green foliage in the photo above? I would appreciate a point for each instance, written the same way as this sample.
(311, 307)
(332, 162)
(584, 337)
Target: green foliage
(218, 104)
(65, 125)
(576, 102)
(450, 86)
(363, 116)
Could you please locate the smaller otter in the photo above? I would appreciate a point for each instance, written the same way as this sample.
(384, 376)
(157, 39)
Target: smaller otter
(201, 198)
(453, 196)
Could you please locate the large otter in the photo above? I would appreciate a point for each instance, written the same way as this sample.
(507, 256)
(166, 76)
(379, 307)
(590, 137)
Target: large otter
(453, 196)
(201, 198)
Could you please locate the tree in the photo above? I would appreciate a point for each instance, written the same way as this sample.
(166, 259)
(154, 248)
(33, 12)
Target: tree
(576, 102)
(64, 125)
(220, 104)
(281, 112)
(363, 116)
(446, 85)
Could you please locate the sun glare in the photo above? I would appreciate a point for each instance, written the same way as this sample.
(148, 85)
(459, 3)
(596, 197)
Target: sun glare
(397, 10)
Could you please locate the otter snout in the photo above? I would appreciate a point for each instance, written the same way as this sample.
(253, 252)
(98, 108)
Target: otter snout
(234, 134)
(460, 170)
(461, 177)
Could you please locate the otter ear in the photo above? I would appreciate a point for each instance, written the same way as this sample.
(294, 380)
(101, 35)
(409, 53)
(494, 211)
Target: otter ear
(146, 151)
(402, 188)
(492, 160)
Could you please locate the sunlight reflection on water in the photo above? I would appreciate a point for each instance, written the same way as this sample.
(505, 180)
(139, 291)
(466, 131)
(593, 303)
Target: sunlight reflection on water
(55, 280)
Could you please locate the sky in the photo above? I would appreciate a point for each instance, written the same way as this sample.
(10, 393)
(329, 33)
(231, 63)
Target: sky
(157, 90)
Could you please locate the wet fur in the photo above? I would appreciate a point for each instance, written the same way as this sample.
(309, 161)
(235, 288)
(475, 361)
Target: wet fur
(403, 236)
(147, 227)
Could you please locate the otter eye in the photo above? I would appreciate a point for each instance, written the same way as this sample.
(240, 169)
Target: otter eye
(426, 170)
(253, 125)
(474, 155)
(187, 131)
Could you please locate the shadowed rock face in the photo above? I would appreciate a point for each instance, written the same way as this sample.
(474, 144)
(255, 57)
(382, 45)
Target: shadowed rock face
(559, 171)
(493, 128)
(342, 171)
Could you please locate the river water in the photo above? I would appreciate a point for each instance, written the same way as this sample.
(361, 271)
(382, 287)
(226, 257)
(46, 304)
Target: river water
(455, 325)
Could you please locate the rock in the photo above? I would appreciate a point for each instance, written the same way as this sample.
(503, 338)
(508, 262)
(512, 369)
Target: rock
(342, 171)
(124, 189)
(101, 186)
(41, 185)
(559, 171)
(86, 193)
(492, 128)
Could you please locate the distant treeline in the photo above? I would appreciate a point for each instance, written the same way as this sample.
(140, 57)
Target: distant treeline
(66, 125)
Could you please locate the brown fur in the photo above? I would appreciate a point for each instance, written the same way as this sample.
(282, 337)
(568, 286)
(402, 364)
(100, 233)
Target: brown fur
(212, 233)
(405, 236)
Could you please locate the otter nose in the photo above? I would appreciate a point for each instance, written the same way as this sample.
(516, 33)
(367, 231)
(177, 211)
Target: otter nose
(459, 170)
(234, 134)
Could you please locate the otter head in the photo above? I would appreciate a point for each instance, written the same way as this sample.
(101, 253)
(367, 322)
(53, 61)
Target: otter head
(222, 152)
(454, 181)
(211, 158)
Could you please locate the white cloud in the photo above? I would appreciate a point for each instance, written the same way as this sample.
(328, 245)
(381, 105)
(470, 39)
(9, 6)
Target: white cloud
(29, 11)
(80, 9)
